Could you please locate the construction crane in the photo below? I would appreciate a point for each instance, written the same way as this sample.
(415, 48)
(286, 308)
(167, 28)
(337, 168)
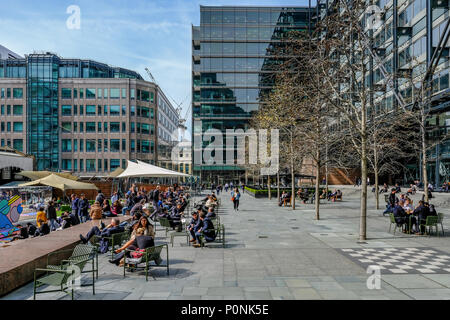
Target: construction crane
(182, 120)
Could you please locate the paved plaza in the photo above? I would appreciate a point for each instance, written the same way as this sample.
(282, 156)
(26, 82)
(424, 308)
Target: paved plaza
(277, 253)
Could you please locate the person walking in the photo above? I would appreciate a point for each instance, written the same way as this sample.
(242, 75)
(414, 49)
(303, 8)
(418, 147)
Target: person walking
(235, 196)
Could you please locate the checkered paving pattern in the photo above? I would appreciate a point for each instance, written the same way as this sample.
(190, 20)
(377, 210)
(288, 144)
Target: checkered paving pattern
(401, 260)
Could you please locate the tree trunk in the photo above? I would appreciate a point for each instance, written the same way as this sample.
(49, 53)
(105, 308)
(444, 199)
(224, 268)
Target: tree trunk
(363, 218)
(292, 175)
(268, 187)
(377, 194)
(278, 185)
(317, 185)
(424, 157)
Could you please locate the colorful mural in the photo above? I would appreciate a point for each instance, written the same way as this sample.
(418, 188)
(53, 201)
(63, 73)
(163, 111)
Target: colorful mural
(10, 210)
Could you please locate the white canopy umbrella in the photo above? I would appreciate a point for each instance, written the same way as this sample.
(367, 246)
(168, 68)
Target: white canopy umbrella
(145, 170)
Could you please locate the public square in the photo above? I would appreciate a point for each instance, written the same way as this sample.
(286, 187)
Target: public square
(273, 252)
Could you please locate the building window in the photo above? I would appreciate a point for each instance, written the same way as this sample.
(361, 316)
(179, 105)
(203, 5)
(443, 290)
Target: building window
(145, 146)
(105, 146)
(114, 164)
(114, 93)
(114, 110)
(75, 93)
(145, 112)
(81, 126)
(17, 110)
(105, 127)
(81, 110)
(132, 127)
(75, 145)
(90, 110)
(90, 165)
(66, 127)
(66, 164)
(99, 127)
(124, 93)
(114, 126)
(114, 145)
(105, 93)
(124, 110)
(145, 128)
(124, 127)
(66, 110)
(99, 164)
(124, 145)
(132, 111)
(145, 95)
(81, 150)
(90, 145)
(75, 110)
(90, 93)
(99, 110)
(90, 126)
(81, 165)
(17, 93)
(66, 145)
(99, 145)
(133, 146)
(132, 93)
(81, 93)
(18, 144)
(99, 93)
(105, 163)
(75, 126)
(66, 93)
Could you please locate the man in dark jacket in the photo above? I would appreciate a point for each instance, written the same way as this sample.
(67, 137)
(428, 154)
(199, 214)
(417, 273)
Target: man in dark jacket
(194, 225)
(206, 229)
(74, 214)
(400, 215)
(113, 228)
(391, 202)
(83, 209)
(51, 216)
(422, 212)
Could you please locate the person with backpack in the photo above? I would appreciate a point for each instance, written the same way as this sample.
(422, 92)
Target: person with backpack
(235, 196)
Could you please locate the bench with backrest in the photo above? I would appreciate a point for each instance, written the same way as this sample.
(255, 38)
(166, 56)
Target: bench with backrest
(64, 275)
(148, 255)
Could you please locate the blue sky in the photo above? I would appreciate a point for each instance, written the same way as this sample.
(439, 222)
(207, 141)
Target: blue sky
(130, 34)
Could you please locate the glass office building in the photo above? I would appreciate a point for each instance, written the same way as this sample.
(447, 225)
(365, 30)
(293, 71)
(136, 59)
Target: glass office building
(77, 115)
(233, 66)
(405, 43)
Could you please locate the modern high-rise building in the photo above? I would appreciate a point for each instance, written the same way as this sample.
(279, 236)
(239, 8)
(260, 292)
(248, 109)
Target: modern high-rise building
(168, 120)
(5, 53)
(77, 115)
(233, 66)
(405, 43)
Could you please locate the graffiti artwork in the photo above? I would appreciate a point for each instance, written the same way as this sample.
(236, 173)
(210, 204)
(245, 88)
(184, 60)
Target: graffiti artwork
(10, 210)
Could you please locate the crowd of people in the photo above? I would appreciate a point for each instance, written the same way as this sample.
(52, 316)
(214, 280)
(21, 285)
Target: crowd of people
(402, 207)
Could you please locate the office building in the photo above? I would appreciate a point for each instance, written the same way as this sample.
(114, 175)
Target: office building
(405, 42)
(5, 53)
(233, 66)
(77, 115)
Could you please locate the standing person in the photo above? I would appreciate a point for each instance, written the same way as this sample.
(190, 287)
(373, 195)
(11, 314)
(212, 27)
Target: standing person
(51, 216)
(100, 197)
(226, 187)
(96, 213)
(114, 197)
(75, 214)
(83, 207)
(235, 196)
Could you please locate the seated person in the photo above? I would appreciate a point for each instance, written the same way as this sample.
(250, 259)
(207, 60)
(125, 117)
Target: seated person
(143, 223)
(213, 196)
(138, 207)
(41, 217)
(109, 230)
(194, 225)
(421, 212)
(324, 194)
(210, 202)
(338, 194)
(408, 207)
(116, 208)
(332, 195)
(433, 211)
(211, 213)
(43, 230)
(140, 241)
(400, 215)
(106, 208)
(206, 228)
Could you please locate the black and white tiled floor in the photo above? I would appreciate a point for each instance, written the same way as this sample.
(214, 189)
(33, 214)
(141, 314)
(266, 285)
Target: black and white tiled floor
(401, 260)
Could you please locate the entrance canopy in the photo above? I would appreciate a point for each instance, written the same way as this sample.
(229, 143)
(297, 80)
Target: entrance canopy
(60, 183)
(145, 170)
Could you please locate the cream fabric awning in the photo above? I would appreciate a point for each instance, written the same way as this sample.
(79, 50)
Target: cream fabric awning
(60, 183)
(142, 169)
(35, 175)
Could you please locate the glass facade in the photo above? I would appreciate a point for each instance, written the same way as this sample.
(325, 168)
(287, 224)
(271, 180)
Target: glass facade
(234, 64)
(42, 111)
